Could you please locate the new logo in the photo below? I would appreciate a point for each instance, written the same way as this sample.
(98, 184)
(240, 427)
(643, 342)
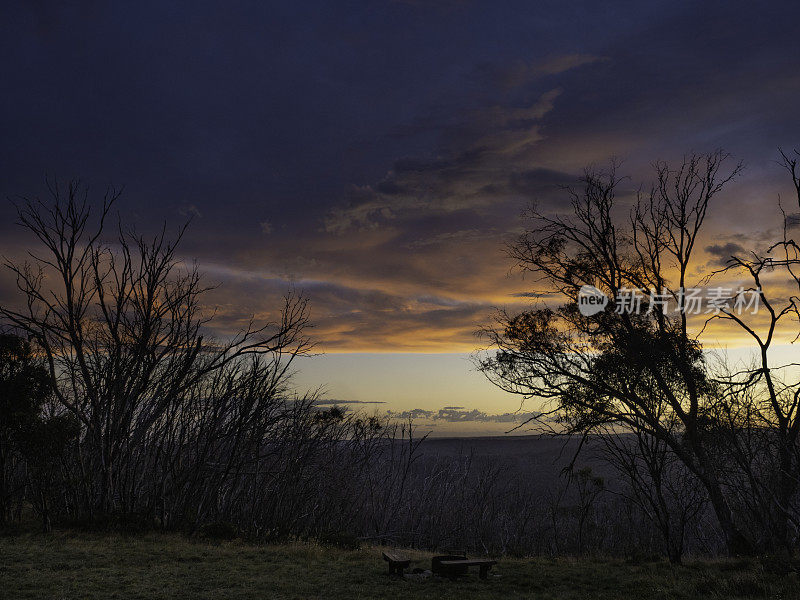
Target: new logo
(591, 300)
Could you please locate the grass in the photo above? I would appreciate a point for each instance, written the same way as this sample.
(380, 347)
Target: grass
(71, 565)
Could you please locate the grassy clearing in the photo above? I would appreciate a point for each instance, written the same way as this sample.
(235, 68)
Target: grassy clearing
(80, 565)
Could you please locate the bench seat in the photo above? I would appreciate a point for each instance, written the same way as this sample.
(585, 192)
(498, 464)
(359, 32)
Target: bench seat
(484, 565)
(397, 562)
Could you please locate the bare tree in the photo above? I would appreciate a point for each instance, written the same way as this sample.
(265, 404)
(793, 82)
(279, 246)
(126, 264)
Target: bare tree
(641, 370)
(657, 482)
(121, 326)
(759, 415)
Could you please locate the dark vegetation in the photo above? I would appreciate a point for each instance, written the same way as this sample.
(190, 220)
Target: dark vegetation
(120, 411)
(730, 431)
(65, 565)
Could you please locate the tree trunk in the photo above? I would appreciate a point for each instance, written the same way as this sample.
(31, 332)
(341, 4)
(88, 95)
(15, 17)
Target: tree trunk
(735, 541)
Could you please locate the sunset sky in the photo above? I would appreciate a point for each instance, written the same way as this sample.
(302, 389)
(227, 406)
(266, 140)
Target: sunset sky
(377, 155)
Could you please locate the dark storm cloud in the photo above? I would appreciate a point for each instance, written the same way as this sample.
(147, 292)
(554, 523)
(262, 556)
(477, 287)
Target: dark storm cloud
(506, 77)
(792, 220)
(378, 156)
(724, 252)
(533, 182)
(481, 169)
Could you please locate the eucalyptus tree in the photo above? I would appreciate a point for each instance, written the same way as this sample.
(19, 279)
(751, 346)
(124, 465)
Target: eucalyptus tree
(634, 365)
(120, 321)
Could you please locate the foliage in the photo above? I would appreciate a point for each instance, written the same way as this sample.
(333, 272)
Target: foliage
(735, 433)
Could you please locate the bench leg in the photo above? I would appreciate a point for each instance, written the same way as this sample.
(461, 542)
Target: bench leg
(484, 572)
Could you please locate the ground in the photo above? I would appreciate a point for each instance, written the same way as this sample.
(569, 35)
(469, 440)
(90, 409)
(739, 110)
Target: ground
(72, 565)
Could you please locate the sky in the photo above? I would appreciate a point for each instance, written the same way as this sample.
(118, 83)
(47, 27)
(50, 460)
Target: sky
(377, 156)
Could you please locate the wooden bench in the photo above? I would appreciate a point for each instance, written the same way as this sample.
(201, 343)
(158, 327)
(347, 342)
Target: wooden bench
(459, 566)
(438, 569)
(397, 562)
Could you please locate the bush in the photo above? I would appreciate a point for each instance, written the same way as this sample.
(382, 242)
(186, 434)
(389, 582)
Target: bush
(220, 530)
(340, 539)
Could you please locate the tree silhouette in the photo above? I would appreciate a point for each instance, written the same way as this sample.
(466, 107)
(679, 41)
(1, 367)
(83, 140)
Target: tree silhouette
(24, 388)
(643, 371)
(120, 324)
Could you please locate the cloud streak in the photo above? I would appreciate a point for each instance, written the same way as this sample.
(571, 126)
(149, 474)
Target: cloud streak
(455, 414)
(378, 159)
